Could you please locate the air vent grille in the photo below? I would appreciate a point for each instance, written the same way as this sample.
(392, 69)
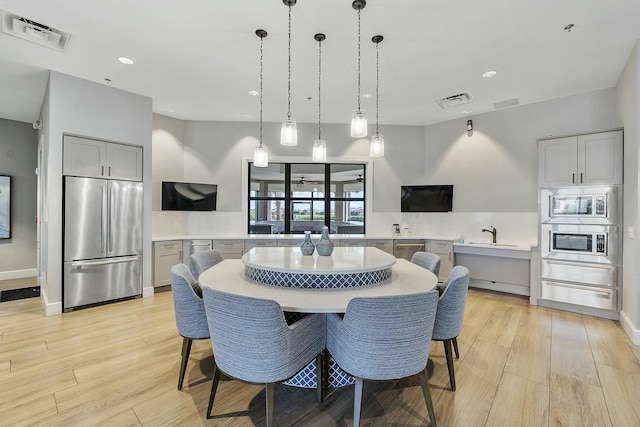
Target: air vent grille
(456, 100)
(504, 104)
(33, 31)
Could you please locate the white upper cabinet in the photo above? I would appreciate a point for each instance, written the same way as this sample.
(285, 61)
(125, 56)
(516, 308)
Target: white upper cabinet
(100, 159)
(594, 159)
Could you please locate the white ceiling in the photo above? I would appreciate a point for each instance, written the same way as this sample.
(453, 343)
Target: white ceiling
(198, 59)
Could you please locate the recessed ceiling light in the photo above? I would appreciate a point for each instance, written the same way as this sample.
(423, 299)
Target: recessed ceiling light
(466, 111)
(168, 110)
(490, 73)
(254, 93)
(125, 60)
(367, 96)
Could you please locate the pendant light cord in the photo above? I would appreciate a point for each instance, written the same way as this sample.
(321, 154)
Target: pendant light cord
(358, 59)
(261, 42)
(289, 70)
(377, 85)
(319, 82)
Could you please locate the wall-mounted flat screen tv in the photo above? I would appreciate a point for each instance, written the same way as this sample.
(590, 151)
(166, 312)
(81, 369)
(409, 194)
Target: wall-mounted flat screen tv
(188, 196)
(426, 198)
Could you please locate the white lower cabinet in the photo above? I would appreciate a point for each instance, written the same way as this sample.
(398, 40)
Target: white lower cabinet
(382, 244)
(165, 255)
(230, 248)
(444, 249)
(262, 243)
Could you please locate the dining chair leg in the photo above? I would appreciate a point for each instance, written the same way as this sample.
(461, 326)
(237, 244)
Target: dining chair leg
(320, 377)
(455, 347)
(186, 349)
(214, 388)
(449, 356)
(424, 382)
(269, 401)
(357, 401)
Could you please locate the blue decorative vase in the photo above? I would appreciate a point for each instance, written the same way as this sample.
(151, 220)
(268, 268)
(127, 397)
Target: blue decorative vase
(307, 247)
(324, 245)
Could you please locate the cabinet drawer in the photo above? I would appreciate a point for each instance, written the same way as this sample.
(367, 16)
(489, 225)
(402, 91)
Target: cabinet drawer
(585, 274)
(292, 242)
(352, 242)
(441, 246)
(266, 243)
(382, 244)
(225, 245)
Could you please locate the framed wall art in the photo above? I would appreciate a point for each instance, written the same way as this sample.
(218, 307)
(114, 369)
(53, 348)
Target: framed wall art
(5, 207)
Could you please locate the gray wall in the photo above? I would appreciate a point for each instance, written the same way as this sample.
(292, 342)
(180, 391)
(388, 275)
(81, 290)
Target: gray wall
(18, 158)
(214, 152)
(494, 169)
(628, 106)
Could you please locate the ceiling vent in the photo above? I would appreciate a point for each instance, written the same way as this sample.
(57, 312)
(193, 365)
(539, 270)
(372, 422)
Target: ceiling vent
(456, 100)
(34, 31)
(504, 104)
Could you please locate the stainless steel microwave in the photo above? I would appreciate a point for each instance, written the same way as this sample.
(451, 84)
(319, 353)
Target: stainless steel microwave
(579, 205)
(585, 243)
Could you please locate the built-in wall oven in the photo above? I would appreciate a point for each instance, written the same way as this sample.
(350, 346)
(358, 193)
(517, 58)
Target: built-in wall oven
(580, 246)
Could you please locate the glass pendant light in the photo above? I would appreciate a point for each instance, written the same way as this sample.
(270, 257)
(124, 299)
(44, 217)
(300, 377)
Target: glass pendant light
(289, 131)
(358, 119)
(261, 155)
(377, 141)
(319, 145)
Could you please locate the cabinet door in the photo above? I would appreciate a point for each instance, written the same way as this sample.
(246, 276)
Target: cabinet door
(165, 255)
(124, 162)
(83, 157)
(444, 249)
(558, 162)
(382, 244)
(600, 159)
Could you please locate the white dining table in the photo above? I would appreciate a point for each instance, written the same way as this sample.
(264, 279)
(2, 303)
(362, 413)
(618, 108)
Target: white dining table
(229, 276)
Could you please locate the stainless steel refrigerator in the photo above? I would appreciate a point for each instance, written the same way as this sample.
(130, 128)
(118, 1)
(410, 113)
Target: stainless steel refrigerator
(102, 240)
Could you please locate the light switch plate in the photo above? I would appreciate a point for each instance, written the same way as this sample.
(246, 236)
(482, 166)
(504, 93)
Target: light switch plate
(630, 232)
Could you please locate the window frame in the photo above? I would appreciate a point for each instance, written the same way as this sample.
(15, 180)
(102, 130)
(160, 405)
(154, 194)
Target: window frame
(327, 199)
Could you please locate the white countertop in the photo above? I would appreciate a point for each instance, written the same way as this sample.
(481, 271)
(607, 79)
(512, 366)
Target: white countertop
(406, 279)
(507, 250)
(342, 260)
(314, 237)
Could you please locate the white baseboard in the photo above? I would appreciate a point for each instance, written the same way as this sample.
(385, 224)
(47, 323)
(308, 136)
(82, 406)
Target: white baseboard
(50, 308)
(630, 328)
(147, 291)
(17, 274)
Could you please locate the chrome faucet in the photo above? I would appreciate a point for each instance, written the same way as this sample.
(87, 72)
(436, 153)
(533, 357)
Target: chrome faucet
(493, 232)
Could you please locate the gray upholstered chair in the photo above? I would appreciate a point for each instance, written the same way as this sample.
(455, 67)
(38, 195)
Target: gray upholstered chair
(427, 260)
(384, 338)
(252, 342)
(200, 261)
(191, 318)
(450, 315)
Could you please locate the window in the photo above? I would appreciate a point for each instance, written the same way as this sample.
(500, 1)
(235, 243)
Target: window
(291, 198)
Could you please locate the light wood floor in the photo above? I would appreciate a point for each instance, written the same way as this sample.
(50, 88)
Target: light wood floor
(117, 365)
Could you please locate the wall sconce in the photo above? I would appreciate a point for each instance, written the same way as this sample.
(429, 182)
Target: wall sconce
(469, 126)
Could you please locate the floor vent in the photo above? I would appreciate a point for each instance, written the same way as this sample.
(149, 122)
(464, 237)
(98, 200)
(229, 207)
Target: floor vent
(33, 31)
(505, 104)
(456, 100)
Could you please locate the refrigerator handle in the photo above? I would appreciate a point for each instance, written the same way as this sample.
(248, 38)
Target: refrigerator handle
(80, 264)
(103, 222)
(109, 219)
